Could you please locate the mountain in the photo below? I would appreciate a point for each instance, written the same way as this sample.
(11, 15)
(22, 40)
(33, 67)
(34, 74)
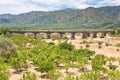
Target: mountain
(89, 18)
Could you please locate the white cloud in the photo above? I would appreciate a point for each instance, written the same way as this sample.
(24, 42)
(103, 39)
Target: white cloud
(108, 3)
(21, 6)
(4, 2)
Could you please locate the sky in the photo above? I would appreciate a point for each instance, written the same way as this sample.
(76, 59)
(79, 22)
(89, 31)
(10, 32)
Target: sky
(23, 6)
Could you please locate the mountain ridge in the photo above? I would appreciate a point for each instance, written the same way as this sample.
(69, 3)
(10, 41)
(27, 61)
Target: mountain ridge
(89, 18)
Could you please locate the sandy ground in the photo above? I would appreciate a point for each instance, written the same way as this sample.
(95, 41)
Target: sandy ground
(93, 45)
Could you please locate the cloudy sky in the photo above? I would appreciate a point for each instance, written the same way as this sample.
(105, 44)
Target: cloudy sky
(21, 6)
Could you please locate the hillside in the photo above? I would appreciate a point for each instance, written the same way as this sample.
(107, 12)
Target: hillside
(89, 18)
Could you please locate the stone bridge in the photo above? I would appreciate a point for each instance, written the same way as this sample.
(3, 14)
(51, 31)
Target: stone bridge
(71, 34)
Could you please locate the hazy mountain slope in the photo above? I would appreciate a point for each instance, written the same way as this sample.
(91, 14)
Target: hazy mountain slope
(91, 18)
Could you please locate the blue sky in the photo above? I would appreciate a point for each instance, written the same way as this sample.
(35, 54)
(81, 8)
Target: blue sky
(22, 6)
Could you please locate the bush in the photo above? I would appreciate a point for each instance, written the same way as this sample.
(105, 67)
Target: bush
(107, 44)
(66, 45)
(98, 62)
(7, 48)
(100, 43)
(46, 66)
(4, 76)
(19, 62)
(69, 77)
(3, 70)
(51, 43)
(112, 67)
(29, 76)
(87, 46)
(3, 31)
(118, 45)
(99, 46)
(55, 74)
(114, 75)
(90, 76)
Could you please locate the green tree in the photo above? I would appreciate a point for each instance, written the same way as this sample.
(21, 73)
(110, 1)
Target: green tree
(4, 31)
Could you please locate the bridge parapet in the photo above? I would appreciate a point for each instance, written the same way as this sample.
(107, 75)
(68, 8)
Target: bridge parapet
(85, 33)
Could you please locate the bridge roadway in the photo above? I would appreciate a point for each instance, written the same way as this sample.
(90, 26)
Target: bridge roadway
(85, 33)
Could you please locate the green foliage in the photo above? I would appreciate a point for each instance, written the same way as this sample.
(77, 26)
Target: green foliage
(87, 45)
(117, 31)
(112, 67)
(118, 45)
(3, 70)
(82, 62)
(46, 66)
(100, 42)
(84, 53)
(7, 48)
(4, 31)
(114, 75)
(29, 76)
(98, 62)
(66, 46)
(90, 76)
(69, 77)
(4, 76)
(55, 74)
(19, 62)
(111, 61)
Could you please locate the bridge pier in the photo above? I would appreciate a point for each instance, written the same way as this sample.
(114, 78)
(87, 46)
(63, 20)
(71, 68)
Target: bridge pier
(61, 34)
(72, 36)
(48, 35)
(84, 35)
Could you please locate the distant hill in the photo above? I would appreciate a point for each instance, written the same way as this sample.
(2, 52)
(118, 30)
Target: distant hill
(89, 18)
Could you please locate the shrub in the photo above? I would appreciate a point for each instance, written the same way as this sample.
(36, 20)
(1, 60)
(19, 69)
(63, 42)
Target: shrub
(3, 70)
(112, 67)
(114, 75)
(29, 76)
(66, 45)
(99, 46)
(69, 77)
(107, 44)
(118, 45)
(3, 31)
(51, 43)
(90, 76)
(55, 74)
(85, 42)
(46, 66)
(7, 48)
(19, 62)
(98, 62)
(87, 46)
(3, 76)
(100, 43)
